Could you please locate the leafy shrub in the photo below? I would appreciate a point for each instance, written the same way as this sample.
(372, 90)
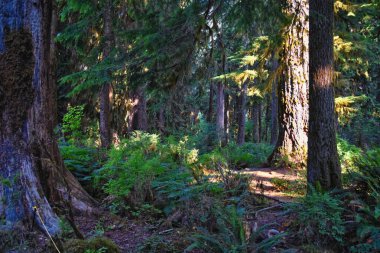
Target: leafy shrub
(130, 166)
(72, 123)
(156, 244)
(247, 155)
(349, 155)
(366, 184)
(81, 161)
(319, 219)
(229, 235)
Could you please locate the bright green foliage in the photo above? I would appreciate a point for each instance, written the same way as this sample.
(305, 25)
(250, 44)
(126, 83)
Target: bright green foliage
(237, 157)
(131, 166)
(348, 107)
(81, 161)
(319, 219)
(230, 235)
(349, 155)
(72, 123)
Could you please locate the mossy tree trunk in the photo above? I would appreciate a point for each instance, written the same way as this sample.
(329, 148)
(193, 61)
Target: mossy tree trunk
(32, 173)
(293, 92)
(274, 108)
(323, 170)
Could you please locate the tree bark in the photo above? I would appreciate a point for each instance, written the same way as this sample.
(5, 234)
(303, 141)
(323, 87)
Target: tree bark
(274, 114)
(293, 91)
(242, 112)
(226, 116)
(323, 170)
(106, 89)
(161, 120)
(220, 110)
(210, 111)
(142, 116)
(31, 170)
(256, 121)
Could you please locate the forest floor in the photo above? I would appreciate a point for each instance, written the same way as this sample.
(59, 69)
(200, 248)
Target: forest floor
(277, 186)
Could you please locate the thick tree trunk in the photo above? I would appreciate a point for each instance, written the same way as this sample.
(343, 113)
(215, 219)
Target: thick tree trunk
(323, 170)
(33, 177)
(242, 113)
(256, 122)
(220, 110)
(293, 92)
(274, 114)
(210, 111)
(106, 89)
(142, 115)
(137, 117)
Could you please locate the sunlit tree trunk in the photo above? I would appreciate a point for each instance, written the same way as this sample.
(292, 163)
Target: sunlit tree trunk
(323, 170)
(293, 92)
(106, 89)
(242, 113)
(32, 174)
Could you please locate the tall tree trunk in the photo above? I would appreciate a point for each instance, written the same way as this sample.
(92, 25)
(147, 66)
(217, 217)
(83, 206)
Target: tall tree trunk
(30, 162)
(138, 118)
(227, 122)
(274, 114)
(161, 120)
(220, 110)
(293, 93)
(256, 121)
(241, 115)
(323, 168)
(210, 111)
(267, 119)
(106, 89)
(142, 116)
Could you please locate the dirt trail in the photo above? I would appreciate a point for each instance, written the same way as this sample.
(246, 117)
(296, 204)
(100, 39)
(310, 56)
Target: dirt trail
(262, 181)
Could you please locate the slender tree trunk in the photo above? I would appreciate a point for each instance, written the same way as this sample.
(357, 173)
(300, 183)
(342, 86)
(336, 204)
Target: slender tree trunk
(220, 110)
(161, 120)
(227, 115)
(31, 170)
(106, 89)
(323, 168)
(256, 122)
(210, 111)
(267, 119)
(242, 114)
(293, 93)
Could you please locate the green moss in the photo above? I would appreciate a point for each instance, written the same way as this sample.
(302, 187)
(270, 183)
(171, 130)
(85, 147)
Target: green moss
(92, 245)
(16, 75)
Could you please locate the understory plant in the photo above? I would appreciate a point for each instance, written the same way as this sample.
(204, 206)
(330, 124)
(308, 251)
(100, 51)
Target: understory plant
(319, 219)
(229, 234)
